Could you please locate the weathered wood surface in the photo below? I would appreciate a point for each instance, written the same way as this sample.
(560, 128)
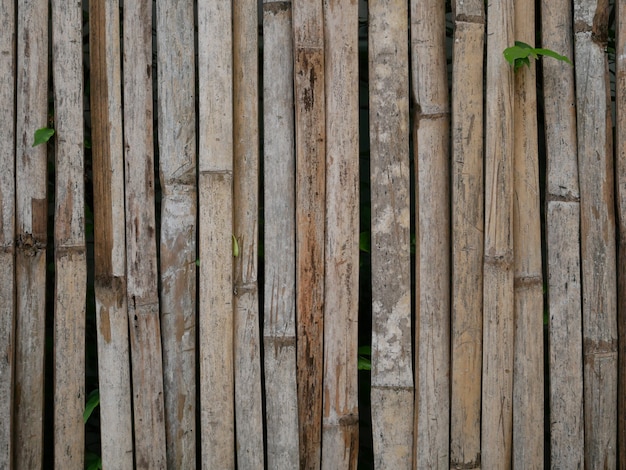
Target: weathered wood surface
(431, 129)
(562, 242)
(392, 376)
(310, 129)
(109, 236)
(597, 215)
(467, 236)
(498, 302)
(141, 267)
(31, 232)
(215, 163)
(279, 330)
(340, 433)
(7, 230)
(177, 165)
(69, 237)
(528, 284)
(248, 390)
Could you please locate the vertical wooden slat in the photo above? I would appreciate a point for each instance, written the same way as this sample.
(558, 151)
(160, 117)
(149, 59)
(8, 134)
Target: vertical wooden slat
(562, 241)
(69, 236)
(310, 222)
(528, 284)
(215, 163)
(7, 229)
(177, 165)
(340, 433)
(467, 234)
(279, 336)
(597, 216)
(392, 377)
(31, 232)
(248, 402)
(498, 306)
(109, 236)
(431, 127)
(142, 271)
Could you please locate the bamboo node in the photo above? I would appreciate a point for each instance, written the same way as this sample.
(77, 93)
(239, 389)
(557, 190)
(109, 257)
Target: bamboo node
(28, 245)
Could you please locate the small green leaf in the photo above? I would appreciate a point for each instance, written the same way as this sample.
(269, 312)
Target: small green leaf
(365, 241)
(93, 400)
(554, 55)
(92, 461)
(364, 363)
(43, 135)
(197, 262)
(235, 247)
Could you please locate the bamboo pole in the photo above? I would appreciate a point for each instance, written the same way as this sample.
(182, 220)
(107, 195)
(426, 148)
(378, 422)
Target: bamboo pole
(528, 361)
(467, 234)
(7, 230)
(215, 162)
(431, 128)
(177, 164)
(69, 237)
(109, 236)
(31, 232)
(279, 331)
(498, 302)
(392, 377)
(310, 222)
(598, 248)
(340, 434)
(142, 271)
(562, 242)
(620, 155)
(248, 391)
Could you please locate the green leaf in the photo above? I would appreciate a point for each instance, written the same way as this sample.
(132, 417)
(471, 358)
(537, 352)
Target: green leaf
(235, 247)
(43, 135)
(93, 400)
(364, 363)
(92, 461)
(365, 241)
(554, 55)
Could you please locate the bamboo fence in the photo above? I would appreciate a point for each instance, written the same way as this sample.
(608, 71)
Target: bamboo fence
(245, 269)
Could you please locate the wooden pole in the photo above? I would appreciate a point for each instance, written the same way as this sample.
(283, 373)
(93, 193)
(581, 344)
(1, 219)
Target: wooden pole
(467, 234)
(279, 331)
(597, 214)
(31, 232)
(340, 434)
(392, 376)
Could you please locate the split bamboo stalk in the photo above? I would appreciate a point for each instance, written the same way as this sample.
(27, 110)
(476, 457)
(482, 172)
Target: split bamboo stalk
(392, 376)
(498, 301)
(431, 128)
(247, 341)
(598, 248)
(177, 165)
(279, 335)
(562, 241)
(69, 236)
(141, 267)
(528, 290)
(7, 230)
(31, 233)
(310, 129)
(340, 433)
(620, 155)
(467, 234)
(215, 164)
(109, 236)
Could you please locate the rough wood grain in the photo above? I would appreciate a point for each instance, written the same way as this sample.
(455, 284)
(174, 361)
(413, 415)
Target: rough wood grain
(141, 267)
(31, 232)
(7, 229)
(279, 330)
(467, 240)
(597, 215)
(109, 236)
(563, 242)
(340, 434)
(177, 165)
(431, 129)
(69, 237)
(392, 377)
(310, 222)
(498, 302)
